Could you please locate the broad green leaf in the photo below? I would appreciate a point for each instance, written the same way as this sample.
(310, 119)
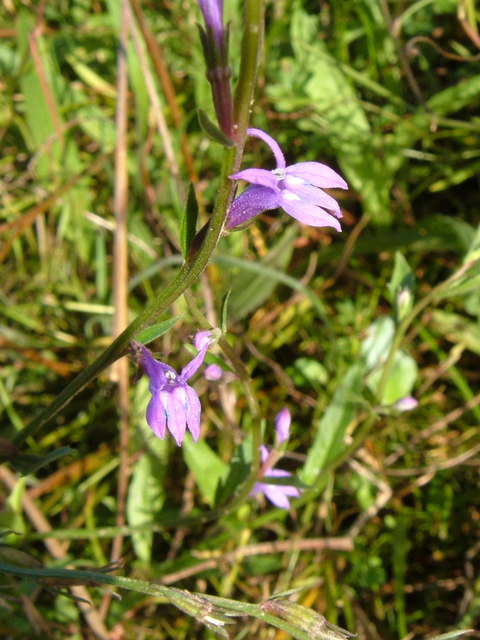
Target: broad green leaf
(400, 381)
(205, 465)
(375, 349)
(377, 343)
(474, 248)
(329, 440)
(455, 97)
(146, 495)
(274, 276)
(308, 371)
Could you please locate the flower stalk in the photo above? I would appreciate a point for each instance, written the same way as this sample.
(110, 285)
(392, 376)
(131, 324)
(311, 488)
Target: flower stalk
(192, 268)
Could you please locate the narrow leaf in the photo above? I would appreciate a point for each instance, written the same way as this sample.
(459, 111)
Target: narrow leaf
(189, 221)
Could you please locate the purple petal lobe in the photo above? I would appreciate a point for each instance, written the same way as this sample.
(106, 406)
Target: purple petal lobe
(174, 403)
(193, 410)
(282, 425)
(317, 174)
(277, 494)
(156, 416)
(314, 195)
(193, 366)
(257, 176)
(306, 212)
(156, 370)
(273, 144)
(250, 203)
(202, 339)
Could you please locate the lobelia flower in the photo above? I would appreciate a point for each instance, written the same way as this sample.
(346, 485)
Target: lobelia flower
(297, 189)
(277, 494)
(174, 405)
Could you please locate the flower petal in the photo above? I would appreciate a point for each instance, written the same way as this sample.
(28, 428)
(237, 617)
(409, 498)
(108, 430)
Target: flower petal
(201, 339)
(193, 411)
(156, 416)
(276, 493)
(174, 402)
(273, 144)
(257, 176)
(156, 370)
(250, 203)
(306, 212)
(308, 193)
(277, 496)
(283, 420)
(317, 174)
(213, 373)
(192, 367)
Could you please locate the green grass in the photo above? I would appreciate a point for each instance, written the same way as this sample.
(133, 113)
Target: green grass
(388, 94)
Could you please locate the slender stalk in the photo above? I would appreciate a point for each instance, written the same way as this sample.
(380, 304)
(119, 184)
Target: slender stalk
(191, 269)
(120, 284)
(254, 19)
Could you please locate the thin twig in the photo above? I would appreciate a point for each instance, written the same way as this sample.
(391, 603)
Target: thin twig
(120, 282)
(261, 548)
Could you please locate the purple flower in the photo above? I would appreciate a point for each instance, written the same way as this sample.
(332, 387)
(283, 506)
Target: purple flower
(174, 404)
(297, 189)
(277, 494)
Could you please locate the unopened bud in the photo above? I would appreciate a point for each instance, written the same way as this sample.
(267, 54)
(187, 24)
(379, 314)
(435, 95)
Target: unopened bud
(306, 620)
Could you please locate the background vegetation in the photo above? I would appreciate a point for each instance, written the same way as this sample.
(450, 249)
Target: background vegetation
(385, 542)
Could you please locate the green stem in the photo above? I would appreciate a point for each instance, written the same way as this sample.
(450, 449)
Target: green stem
(252, 41)
(193, 604)
(190, 269)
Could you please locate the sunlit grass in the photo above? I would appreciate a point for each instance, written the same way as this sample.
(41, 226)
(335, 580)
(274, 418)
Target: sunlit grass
(384, 539)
